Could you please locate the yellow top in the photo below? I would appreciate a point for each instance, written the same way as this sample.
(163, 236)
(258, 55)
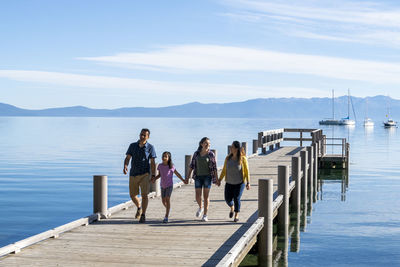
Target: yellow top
(245, 170)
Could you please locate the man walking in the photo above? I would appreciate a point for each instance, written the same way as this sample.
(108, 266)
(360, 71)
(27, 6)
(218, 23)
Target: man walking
(141, 152)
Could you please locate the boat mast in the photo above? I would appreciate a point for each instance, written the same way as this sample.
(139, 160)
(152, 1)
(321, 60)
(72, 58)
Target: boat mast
(333, 104)
(348, 104)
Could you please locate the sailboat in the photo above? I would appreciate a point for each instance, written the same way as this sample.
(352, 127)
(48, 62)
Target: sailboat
(389, 122)
(347, 120)
(367, 121)
(331, 121)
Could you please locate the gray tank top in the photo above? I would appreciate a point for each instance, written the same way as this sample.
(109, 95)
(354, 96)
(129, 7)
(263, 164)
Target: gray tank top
(234, 173)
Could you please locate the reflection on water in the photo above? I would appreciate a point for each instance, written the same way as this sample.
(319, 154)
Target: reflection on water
(288, 242)
(333, 176)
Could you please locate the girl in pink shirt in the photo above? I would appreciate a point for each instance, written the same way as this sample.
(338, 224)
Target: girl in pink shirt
(166, 171)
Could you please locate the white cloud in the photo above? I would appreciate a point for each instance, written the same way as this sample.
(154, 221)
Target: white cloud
(355, 21)
(211, 58)
(111, 85)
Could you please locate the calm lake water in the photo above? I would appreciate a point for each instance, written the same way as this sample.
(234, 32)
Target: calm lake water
(47, 164)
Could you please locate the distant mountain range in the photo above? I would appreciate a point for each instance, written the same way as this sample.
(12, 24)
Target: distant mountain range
(316, 108)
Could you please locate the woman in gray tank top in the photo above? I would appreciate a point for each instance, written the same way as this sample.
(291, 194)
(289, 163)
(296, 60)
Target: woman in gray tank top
(236, 173)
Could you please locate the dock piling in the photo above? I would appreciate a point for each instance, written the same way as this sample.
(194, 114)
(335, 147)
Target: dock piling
(296, 172)
(315, 178)
(244, 146)
(283, 189)
(156, 186)
(188, 159)
(265, 238)
(304, 181)
(255, 146)
(100, 195)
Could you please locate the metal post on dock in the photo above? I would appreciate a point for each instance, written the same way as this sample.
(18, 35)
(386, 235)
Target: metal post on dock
(244, 146)
(283, 189)
(188, 160)
(255, 146)
(265, 237)
(229, 149)
(100, 195)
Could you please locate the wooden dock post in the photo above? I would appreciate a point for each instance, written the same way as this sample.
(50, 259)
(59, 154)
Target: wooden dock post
(310, 175)
(188, 160)
(264, 140)
(315, 178)
(310, 181)
(283, 189)
(295, 237)
(156, 187)
(304, 180)
(296, 197)
(100, 195)
(244, 146)
(265, 238)
(255, 146)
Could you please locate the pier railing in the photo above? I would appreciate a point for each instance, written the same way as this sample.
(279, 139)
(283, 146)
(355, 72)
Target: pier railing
(272, 139)
(297, 184)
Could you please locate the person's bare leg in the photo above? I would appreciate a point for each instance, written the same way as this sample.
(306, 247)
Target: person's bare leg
(167, 206)
(198, 197)
(136, 201)
(206, 193)
(145, 201)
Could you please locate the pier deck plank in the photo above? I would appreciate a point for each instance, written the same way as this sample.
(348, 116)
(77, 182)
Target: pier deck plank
(184, 241)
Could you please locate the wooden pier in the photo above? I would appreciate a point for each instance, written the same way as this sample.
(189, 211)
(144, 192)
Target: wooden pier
(279, 176)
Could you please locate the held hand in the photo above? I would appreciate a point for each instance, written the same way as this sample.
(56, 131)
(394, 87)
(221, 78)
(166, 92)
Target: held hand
(152, 180)
(218, 182)
(186, 181)
(248, 186)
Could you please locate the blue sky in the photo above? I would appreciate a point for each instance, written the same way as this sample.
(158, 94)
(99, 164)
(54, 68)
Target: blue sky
(109, 54)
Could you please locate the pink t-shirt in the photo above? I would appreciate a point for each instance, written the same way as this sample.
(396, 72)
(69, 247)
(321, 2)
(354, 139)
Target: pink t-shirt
(166, 175)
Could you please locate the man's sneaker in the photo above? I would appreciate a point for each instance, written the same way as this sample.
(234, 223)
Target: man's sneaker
(199, 212)
(205, 218)
(142, 218)
(138, 213)
(165, 220)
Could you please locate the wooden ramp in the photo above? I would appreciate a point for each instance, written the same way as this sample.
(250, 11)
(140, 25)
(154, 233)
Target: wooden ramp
(184, 241)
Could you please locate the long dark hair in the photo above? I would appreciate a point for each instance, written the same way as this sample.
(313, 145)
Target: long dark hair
(239, 154)
(201, 142)
(170, 164)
